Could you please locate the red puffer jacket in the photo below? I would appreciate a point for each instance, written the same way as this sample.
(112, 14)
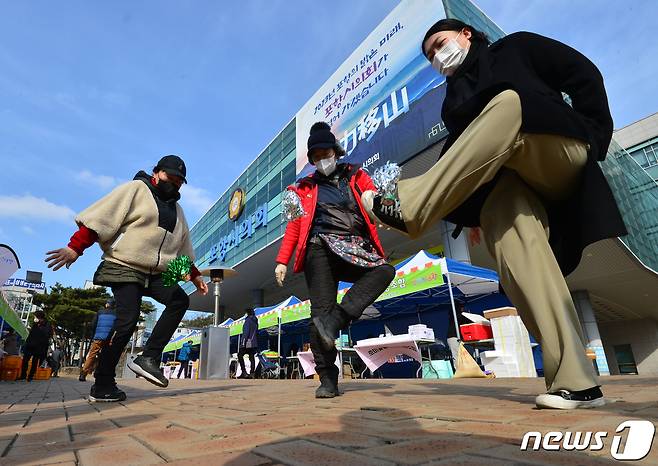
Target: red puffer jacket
(298, 230)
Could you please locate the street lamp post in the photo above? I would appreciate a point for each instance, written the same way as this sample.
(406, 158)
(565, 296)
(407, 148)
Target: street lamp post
(215, 341)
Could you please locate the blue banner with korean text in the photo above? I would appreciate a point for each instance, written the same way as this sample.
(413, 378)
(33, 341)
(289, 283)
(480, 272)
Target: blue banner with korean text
(384, 102)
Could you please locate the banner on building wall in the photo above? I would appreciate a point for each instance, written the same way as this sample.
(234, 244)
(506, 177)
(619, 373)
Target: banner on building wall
(384, 102)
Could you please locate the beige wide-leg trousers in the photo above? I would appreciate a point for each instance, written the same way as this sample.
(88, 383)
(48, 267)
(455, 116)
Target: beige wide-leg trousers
(514, 222)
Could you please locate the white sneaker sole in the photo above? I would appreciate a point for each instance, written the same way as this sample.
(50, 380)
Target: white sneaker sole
(546, 401)
(141, 372)
(103, 400)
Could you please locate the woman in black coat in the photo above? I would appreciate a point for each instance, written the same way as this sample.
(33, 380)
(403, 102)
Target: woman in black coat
(521, 163)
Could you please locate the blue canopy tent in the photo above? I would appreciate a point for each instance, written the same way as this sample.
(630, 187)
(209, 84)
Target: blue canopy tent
(268, 317)
(464, 282)
(418, 287)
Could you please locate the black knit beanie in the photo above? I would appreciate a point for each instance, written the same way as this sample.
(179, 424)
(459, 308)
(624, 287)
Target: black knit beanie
(321, 137)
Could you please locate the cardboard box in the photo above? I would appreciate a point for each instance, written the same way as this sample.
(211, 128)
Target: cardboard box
(513, 356)
(500, 312)
(420, 332)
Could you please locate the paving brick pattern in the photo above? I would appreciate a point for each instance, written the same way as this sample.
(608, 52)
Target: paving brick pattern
(279, 422)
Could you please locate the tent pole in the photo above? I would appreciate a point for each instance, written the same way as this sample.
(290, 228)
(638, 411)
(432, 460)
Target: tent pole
(278, 349)
(340, 353)
(452, 303)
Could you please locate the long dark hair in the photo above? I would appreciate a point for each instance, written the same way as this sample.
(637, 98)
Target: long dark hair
(453, 25)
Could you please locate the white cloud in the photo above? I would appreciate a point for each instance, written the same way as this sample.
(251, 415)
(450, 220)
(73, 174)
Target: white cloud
(197, 199)
(27, 230)
(31, 207)
(101, 181)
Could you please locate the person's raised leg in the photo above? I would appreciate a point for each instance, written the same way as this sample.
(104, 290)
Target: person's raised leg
(473, 160)
(368, 285)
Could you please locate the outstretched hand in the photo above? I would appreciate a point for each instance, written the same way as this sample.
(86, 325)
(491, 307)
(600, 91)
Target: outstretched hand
(59, 258)
(201, 285)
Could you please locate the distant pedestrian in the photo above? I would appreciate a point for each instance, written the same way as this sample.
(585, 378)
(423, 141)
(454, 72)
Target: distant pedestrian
(184, 359)
(36, 345)
(55, 361)
(102, 325)
(249, 344)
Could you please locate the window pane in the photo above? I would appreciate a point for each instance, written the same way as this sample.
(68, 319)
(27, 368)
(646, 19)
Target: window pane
(651, 153)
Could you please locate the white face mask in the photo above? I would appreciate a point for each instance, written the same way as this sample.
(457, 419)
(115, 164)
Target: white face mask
(449, 57)
(326, 166)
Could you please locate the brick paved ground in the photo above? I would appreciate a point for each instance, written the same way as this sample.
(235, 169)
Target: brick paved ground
(254, 422)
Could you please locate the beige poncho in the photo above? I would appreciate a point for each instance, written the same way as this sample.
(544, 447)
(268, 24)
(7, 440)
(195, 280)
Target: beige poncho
(126, 221)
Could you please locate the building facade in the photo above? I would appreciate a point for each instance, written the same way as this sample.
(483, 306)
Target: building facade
(640, 140)
(19, 294)
(615, 287)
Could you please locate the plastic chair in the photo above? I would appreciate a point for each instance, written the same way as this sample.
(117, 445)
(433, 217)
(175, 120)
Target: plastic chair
(269, 370)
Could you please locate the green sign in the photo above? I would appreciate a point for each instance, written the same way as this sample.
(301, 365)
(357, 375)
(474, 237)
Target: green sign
(176, 345)
(11, 318)
(417, 279)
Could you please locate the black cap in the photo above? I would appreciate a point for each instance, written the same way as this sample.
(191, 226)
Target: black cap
(321, 137)
(172, 165)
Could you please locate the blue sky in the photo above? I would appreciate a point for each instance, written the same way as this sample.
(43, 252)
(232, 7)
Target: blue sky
(91, 92)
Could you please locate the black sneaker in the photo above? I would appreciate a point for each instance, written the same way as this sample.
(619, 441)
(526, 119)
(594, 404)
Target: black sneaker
(149, 368)
(565, 399)
(82, 378)
(334, 380)
(327, 388)
(384, 211)
(107, 394)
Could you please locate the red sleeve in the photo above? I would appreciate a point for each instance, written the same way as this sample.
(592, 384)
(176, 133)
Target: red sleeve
(289, 242)
(82, 239)
(365, 182)
(194, 272)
